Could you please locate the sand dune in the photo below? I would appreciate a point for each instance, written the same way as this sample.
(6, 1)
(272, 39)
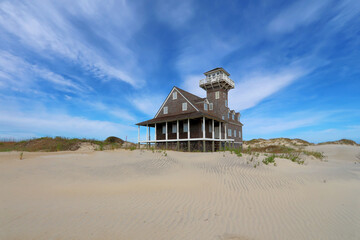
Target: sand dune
(143, 195)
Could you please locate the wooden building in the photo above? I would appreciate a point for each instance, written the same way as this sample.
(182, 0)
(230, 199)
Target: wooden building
(188, 122)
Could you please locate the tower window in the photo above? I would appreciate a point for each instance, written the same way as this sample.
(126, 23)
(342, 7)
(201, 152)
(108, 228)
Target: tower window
(233, 117)
(174, 95)
(211, 107)
(217, 95)
(165, 110)
(184, 106)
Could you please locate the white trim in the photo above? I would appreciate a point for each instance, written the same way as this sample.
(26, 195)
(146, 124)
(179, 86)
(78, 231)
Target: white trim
(203, 127)
(166, 131)
(188, 128)
(177, 129)
(155, 131)
(139, 134)
(213, 130)
(168, 99)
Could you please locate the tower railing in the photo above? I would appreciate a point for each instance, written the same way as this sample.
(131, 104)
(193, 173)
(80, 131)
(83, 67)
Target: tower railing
(214, 79)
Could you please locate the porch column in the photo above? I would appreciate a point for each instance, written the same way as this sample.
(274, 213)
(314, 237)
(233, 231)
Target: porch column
(155, 136)
(225, 136)
(177, 135)
(203, 128)
(147, 135)
(213, 135)
(139, 136)
(220, 142)
(166, 135)
(188, 134)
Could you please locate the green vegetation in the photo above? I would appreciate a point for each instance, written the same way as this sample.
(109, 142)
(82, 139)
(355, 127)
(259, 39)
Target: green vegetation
(48, 144)
(341, 141)
(270, 159)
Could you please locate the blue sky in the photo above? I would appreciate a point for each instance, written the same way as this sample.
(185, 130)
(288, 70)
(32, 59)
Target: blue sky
(95, 68)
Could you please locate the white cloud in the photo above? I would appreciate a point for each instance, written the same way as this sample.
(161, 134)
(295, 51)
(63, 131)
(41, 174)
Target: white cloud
(298, 14)
(260, 126)
(332, 134)
(16, 72)
(191, 84)
(48, 124)
(116, 112)
(175, 13)
(255, 87)
(147, 103)
(50, 28)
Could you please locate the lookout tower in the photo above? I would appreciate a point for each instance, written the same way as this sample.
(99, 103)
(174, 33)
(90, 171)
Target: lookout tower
(217, 78)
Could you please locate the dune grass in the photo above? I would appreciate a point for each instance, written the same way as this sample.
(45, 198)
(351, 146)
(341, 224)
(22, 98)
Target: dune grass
(48, 144)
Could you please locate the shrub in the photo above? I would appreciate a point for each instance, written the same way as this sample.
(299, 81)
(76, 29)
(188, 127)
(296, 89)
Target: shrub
(270, 159)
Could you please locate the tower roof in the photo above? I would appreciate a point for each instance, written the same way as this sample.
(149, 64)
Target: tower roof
(217, 69)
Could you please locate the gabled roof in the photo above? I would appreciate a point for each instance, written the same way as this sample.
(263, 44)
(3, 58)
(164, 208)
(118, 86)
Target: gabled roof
(193, 100)
(216, 69)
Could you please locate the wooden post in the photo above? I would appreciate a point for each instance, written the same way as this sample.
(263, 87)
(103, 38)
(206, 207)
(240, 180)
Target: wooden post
(203, 128)
(155, 136)
(213, 136)
(139, 136)
(177, 135)
(188, 134)
(225, 137)
(220, 142)
(147, 136)
(166, 135)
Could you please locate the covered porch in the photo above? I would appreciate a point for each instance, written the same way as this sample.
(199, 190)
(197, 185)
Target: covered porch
(191, 132)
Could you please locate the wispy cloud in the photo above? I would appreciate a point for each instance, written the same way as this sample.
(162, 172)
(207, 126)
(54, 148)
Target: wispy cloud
(297, 14)
(15, 71)
(255, 87)
(46, 124)
(175, 13)
(147, 103)
(51, 28)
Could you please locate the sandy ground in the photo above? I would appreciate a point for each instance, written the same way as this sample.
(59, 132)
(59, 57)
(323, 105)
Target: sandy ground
(143, 195)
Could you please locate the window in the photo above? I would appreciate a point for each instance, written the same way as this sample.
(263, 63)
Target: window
(233, 116)
(223, 117)
(228, 115)
(174, 128)
(185, 127)
(217, 95)
(174, 95)
(239, 118)
(210, 127)
(205, 106)
(229, 132)
(164, 129)
(211, 107)
(165, 110)
(234, 133)
(184, 106)
(226, 103)
(239, 134)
